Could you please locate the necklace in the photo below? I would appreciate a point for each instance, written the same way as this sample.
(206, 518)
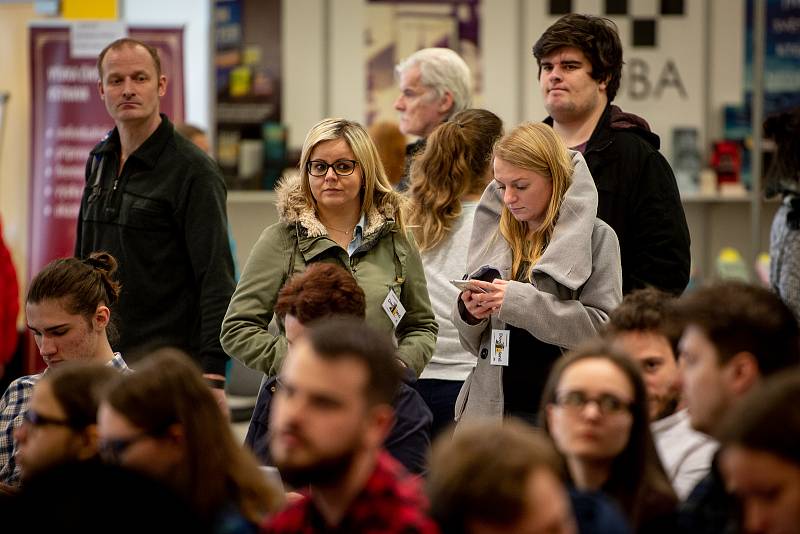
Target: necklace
(345, 232)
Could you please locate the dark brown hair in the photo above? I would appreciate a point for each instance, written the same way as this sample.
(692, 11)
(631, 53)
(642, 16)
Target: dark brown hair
(768, 418)
(646, 310)
(128, 42)
(78, 388)
(596, 37)
(80, 285)
(738, 317)
(480, 473)
(343, 337)
(321, 290)
(456, 158)
(167, 389)
(637, 479)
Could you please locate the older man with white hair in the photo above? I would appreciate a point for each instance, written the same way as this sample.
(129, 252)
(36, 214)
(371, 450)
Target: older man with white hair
(434, 85)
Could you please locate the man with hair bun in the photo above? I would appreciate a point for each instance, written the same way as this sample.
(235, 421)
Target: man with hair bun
(68, 311)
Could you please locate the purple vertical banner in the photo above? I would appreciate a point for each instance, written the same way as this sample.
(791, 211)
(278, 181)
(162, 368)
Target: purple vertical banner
(69, 118)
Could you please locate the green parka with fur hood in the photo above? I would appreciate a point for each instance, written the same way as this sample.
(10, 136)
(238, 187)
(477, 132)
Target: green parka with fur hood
(386, 259)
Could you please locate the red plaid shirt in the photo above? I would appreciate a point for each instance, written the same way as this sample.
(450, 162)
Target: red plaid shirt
(391, 502)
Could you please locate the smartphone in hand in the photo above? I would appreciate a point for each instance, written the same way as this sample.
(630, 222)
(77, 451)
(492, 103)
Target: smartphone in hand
(467, 285)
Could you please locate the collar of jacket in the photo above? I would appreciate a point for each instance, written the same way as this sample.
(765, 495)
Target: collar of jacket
(601, 136)
(568, 257)
(293, 209)
(149, 151)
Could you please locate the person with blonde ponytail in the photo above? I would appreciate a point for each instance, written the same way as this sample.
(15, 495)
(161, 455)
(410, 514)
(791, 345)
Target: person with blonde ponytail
(68, 311)
(447, 180)
(549, 273)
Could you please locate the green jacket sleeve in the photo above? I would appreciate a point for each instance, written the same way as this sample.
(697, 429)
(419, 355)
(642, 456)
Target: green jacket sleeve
(416, 333)
(244, 329)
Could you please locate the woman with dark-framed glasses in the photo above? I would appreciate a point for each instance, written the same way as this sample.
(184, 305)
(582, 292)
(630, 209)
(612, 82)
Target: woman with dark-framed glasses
(595, 409)
(60, 425)
(342, 210)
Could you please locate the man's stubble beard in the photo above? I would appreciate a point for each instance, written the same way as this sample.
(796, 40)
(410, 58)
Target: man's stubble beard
(326, 471)
(668, 408)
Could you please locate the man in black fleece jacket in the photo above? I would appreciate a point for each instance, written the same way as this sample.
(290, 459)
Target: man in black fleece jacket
(580, 67)
(157, 203)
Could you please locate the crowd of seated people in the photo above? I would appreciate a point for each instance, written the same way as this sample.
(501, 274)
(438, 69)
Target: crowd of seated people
(589, 464)
(563, 395)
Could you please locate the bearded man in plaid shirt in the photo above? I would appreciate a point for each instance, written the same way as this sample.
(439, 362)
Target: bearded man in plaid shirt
(330, 415)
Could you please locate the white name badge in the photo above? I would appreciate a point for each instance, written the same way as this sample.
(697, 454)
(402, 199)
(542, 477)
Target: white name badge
(393, 308)
(499, 347)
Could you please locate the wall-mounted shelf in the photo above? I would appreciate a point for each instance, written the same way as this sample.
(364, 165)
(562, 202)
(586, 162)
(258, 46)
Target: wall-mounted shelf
(239, 197)
(700, 198)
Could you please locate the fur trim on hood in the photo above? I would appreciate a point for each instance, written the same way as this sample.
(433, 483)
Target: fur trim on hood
(292, 209)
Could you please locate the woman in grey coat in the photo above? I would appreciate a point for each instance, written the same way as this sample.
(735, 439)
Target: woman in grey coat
(548, 273)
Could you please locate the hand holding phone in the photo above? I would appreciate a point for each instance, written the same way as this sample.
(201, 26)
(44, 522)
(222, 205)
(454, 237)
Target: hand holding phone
(467, 285)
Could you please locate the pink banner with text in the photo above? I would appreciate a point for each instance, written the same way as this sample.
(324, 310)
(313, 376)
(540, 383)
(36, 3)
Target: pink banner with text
(69, 118)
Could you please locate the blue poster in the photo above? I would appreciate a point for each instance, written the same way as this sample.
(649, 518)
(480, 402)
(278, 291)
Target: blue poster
(782, 56)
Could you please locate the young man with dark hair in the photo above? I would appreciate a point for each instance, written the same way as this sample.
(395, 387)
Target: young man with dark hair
(324, 290)
(580, 67)
(760, 459)
(641, 328)
(735, 334)
(156, 202)
(332, 412)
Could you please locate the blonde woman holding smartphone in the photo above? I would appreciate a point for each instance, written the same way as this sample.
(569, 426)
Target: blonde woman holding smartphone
(549, 267)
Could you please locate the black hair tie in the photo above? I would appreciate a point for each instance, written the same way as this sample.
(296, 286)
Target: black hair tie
(94, 263)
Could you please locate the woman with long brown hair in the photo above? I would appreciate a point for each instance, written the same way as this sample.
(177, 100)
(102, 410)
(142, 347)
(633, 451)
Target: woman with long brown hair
(447, 180)
(163, 421)
(595, 408)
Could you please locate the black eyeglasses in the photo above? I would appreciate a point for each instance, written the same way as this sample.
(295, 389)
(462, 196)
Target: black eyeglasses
(37, 420)
(111, 450)
(342, 167)
(607, 404)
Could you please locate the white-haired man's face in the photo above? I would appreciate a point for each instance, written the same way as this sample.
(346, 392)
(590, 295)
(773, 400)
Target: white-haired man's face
(421, 109)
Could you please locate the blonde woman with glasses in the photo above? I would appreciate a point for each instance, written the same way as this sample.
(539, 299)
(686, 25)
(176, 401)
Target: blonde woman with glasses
(547, 273)
(341, 210)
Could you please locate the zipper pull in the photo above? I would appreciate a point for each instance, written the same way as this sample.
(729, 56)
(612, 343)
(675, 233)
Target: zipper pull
(116, 183)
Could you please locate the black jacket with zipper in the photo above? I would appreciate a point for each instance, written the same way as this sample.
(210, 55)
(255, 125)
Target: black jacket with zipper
(163, 218)
(639, 199)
